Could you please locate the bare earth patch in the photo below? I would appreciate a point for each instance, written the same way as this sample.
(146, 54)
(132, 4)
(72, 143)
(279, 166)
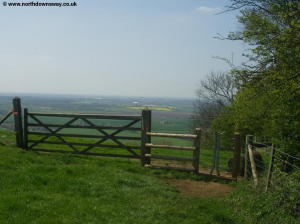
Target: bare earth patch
(191, 188)
(206, 171)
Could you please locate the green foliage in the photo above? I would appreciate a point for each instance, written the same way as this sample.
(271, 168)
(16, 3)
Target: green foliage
(286, 125)
(268, 99)
(286, 192)
(279, 205)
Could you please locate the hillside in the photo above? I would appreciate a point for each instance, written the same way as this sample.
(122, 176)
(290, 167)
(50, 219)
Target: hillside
(61, 188)
(56, 188)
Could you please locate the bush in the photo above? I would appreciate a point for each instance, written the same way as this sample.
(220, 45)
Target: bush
(280, 205)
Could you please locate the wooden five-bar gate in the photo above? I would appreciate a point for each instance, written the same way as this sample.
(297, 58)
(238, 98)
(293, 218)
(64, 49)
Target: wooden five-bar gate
(104, 139)
(39, 134)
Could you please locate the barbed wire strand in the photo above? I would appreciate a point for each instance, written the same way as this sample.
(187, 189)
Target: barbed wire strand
(287, 154)
(287, 163)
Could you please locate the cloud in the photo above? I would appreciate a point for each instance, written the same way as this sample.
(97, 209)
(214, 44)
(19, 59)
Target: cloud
(207, 9)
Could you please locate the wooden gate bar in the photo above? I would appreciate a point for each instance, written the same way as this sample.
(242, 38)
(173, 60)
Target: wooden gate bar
(54, 132)
(86, 127)
(96, 116)
(171, 147)
(6, 117)
(57, 130)
(168, 157)
(170, 168)
(110, 136)
(86, 153)
(171, 135)
(84, 144)
(82, 136)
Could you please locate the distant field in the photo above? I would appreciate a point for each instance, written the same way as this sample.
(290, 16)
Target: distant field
(169, 115)
(151, 107)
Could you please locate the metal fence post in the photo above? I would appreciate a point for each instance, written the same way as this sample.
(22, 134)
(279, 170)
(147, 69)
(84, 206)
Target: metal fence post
(270, 170)
(216, 154)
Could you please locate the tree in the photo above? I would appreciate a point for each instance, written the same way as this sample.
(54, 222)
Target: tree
(216, 91)
(218, 88)
(271, 79)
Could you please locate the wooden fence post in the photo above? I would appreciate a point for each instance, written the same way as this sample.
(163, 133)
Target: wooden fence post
(214, 154)
(146, 127)
(253, 164)
(270, 170)
(196, 152)
(17, 112)
(237, 155)
(249, 140)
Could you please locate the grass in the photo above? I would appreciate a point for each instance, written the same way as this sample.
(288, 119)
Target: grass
(56, 188)
(62, 188)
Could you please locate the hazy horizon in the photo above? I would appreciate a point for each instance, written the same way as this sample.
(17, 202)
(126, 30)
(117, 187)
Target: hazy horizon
(20, 94)
(157, 48)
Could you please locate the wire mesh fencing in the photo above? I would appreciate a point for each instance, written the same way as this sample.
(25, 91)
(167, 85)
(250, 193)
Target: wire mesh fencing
(274, 170)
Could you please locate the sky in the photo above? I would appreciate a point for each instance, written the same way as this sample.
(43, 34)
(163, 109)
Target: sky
(159, 48)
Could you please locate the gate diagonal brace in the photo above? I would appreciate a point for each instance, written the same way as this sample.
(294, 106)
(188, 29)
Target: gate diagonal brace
(6, 117)
(110, 136)
(53, 132)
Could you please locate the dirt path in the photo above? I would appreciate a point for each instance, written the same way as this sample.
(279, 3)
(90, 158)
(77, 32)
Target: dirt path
(191, 188)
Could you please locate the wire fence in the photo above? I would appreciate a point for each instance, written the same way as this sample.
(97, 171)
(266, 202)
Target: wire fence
(270, 167)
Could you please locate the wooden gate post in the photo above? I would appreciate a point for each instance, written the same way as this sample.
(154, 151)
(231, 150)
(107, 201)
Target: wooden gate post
(25, 142)
(196, 153)
(17, 112)
(249, 140)
(237, 155)
(218, 153)
(214, 154)
(146, 127)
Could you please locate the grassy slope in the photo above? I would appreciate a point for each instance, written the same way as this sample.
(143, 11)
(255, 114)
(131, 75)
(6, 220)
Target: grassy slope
(60, 188)
(56, 188)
